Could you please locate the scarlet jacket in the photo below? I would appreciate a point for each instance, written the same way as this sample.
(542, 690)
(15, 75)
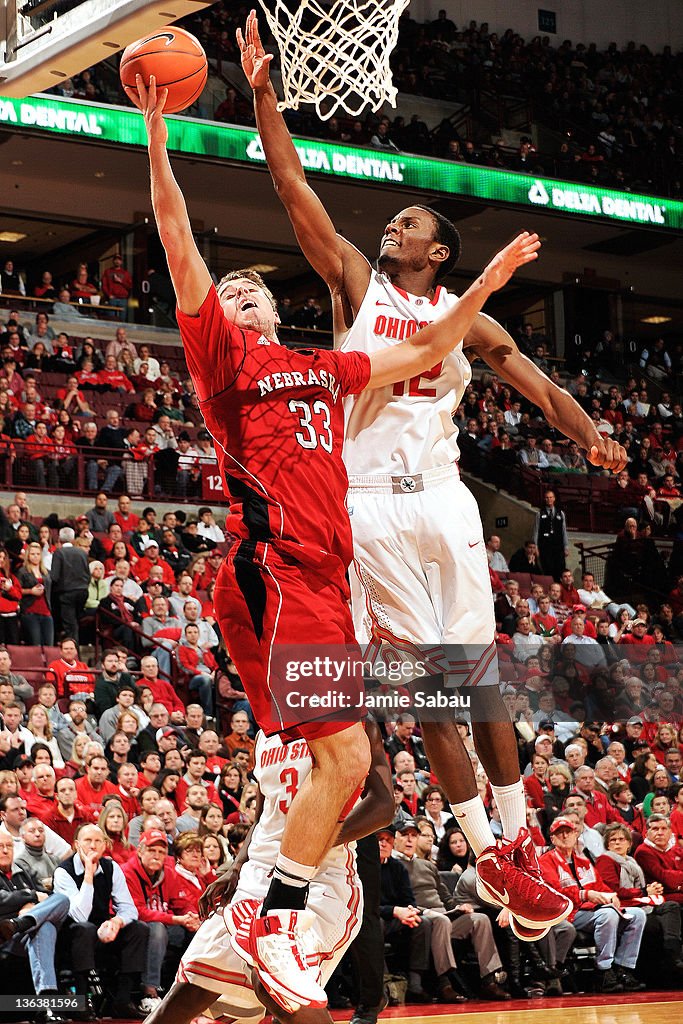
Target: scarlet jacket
(665, 866)
(9, 596)
(557, 873)
(159, 900)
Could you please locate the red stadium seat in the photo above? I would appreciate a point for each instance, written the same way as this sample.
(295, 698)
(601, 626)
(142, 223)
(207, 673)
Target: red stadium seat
(524, 580)
(28, 662)
(544, 581)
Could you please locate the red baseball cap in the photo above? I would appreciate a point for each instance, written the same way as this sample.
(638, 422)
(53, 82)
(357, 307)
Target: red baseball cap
(562, 823)
(154, 837)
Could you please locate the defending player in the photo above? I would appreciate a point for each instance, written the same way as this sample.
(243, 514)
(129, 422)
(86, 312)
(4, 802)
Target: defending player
(211, 972)
(424, 574)
(276, 417)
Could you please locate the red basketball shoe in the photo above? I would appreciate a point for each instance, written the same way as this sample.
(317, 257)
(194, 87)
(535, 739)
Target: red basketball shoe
(508, 876)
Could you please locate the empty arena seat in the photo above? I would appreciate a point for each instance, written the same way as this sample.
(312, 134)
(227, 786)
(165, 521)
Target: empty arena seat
(524, 580)
(544, 581)
(28, 662)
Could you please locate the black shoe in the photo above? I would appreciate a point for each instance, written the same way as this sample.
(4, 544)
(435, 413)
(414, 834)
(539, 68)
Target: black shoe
(447, 994)
(608, 981)
(490, 989)
(50, 1017)
(553, 988)
(87, 1013)
(629, 980)
(127, 1011)
(339, 1002)
(418, 996)
(368, 1014)
(459, 984)
(12, 926)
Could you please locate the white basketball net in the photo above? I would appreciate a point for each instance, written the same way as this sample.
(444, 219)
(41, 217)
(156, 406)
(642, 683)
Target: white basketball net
(338, 57)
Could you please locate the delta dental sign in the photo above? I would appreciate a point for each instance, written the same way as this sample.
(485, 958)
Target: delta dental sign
(560, 196)
(109, 124)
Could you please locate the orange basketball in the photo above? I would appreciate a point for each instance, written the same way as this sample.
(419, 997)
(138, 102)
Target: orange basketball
(177, 61)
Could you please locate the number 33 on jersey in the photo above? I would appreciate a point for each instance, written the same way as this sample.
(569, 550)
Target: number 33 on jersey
(277, 419)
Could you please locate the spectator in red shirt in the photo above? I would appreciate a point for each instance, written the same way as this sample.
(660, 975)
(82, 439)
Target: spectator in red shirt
(570, 595)
(66, 816)
(113, 821)
(198, 667)
(117, 284)
(625, 876)
(154, 888)
(588, 627)
(238, 738)
(677, 813)
(150, 560)
(596, 909)
(93, 787)
(126, 519)
(190, 863)
(128, 788)
(162, 691)
(598, 807)
(113, 379)
(40, 801)
(638, 634)
(661, 858)
(72, 676)
(209, 744)
(196, 769)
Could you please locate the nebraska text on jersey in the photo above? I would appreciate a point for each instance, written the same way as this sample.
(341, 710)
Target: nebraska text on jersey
(277, 419)
(295, 379)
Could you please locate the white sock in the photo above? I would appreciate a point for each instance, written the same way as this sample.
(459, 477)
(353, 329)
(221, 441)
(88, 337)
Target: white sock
(471, 818)
(511, 803)
(292, 873)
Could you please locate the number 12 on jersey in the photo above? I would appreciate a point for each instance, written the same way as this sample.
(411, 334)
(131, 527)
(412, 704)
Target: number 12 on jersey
(414, 388)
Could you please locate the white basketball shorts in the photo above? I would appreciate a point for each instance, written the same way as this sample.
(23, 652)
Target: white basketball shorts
(420, 574)
(211, 963)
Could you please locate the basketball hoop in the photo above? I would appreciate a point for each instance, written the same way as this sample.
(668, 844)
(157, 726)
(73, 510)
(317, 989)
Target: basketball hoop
(338, 57)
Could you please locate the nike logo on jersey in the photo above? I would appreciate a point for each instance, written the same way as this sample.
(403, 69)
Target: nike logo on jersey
(386, 304)
(473, 543)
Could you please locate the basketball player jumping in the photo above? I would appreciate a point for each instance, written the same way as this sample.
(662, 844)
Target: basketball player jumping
(422, 574)
(212, 973)
(277, 419)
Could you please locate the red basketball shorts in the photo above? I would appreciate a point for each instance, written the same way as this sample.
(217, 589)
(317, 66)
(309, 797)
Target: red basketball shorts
(277, 617)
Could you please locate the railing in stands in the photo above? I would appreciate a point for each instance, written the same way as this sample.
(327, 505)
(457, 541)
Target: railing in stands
(591, 502)
(106, 622)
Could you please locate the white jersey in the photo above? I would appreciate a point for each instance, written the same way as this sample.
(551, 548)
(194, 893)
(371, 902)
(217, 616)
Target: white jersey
(405, 428)
(280, 769)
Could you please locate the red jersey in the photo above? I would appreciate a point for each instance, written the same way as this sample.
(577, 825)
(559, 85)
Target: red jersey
(277, 419)
(90, 799)
(71, 679)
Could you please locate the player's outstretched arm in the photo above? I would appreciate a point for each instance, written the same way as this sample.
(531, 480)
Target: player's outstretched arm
(191, 279)
(432, 343)
(338, 262)
(493, 344)
(376, 807)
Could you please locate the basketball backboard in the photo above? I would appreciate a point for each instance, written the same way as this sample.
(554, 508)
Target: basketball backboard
(43, 42)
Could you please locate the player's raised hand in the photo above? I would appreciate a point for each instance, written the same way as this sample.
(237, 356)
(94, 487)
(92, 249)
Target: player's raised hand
(151, 104)
(255, 60)
(523, 249)
(607, 454)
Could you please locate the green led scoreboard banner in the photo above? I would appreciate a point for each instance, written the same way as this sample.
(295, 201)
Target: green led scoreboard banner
(241, 145)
